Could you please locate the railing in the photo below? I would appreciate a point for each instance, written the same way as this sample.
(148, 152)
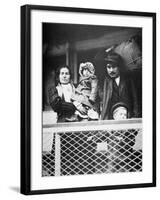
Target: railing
(92, 147)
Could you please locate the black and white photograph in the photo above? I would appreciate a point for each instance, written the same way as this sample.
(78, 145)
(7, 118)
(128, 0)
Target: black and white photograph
(88, 98)
(92, 78)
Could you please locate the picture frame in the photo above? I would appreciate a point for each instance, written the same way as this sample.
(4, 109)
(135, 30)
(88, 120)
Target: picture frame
(92, 154)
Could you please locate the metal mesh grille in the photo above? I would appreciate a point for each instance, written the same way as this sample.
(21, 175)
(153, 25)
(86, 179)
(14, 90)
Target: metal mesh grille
(91, 152)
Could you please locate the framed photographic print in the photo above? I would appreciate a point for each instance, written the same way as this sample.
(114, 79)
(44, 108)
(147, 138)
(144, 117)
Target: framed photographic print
(88, 99)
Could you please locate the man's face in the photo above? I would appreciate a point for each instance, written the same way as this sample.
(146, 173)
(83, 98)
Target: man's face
(112, 70)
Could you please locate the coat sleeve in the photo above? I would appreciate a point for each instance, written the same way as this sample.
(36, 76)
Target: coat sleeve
(54, 100)
(58, 105)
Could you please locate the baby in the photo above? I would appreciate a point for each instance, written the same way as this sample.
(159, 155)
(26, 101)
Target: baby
(86, 92)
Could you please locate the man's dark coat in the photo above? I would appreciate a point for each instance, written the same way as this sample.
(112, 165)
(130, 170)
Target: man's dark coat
(127, 94)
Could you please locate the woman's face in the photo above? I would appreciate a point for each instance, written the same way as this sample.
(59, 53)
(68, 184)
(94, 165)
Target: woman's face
(64, 76)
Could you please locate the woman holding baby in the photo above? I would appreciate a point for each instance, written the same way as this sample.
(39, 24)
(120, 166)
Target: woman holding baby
(75, 104)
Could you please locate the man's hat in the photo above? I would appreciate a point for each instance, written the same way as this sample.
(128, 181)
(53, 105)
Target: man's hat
(112, 57)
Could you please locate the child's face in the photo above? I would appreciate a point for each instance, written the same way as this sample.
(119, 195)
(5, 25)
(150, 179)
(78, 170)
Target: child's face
(120, 113)
(86, 73)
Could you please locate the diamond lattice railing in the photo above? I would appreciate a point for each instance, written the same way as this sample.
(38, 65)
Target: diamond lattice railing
(104, 150)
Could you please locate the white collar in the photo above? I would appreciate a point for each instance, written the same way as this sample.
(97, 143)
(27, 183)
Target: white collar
(66, 90)
(117, 80)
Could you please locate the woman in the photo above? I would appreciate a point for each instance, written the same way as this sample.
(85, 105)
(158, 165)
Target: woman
(60, 96)
(61, 103)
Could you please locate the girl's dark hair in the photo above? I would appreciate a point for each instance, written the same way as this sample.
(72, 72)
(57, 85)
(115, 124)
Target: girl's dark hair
(58, 72)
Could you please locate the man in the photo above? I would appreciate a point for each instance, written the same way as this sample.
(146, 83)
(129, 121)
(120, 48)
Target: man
(117, 87)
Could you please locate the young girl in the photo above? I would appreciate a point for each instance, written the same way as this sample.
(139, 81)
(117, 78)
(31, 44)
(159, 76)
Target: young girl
(86, 92)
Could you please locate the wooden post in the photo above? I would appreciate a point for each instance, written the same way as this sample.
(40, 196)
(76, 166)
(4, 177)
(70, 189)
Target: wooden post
(67, 53)
(71, 60)
(75, 67)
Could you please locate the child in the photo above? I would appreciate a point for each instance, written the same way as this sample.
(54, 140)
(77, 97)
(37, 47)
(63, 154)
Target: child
(86, 92)
(124, 140)
(120, 111)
